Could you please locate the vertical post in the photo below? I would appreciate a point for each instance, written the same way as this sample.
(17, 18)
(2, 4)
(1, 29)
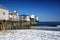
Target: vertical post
(12, 27)
(30, 21)
(20, 24)
(22, 21)
(17, 24)
(11, 24)
(3, 24)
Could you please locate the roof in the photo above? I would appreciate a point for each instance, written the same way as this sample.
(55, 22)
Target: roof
(12, 13)
(23, 15)
(3, 7)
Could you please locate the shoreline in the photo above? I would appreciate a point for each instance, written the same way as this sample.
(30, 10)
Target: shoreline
(46, 28)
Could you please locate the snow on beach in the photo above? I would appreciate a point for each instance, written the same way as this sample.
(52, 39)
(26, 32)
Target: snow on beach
(29, 34)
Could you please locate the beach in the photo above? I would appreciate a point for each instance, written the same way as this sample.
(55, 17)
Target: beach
(29, 34)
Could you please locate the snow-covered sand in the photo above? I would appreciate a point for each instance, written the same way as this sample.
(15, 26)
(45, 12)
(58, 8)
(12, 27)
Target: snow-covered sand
(29, 34)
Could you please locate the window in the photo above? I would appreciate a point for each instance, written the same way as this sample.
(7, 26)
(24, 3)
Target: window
(3, 13)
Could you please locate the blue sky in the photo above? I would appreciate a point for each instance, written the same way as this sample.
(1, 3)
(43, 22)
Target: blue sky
(46, 10)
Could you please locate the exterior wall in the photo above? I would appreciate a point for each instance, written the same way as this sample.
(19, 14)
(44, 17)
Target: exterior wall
(24, 18)
(4, 14)
(14, 17)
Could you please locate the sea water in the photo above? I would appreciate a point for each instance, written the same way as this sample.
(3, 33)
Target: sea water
(54, 24)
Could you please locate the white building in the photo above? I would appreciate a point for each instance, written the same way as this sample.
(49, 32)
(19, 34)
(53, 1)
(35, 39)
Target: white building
(27, 18)
(4, 13)
(14, 16)
(34, 18)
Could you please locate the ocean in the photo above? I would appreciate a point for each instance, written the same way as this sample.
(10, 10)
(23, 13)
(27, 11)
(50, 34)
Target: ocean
(53, 24)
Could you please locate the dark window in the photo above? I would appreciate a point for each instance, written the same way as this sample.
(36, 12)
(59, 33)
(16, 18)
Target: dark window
(3, 13)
